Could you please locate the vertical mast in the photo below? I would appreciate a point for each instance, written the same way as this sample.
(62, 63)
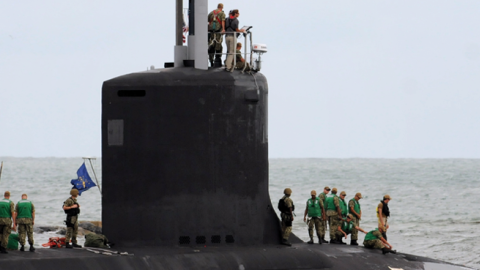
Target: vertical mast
(179, 23)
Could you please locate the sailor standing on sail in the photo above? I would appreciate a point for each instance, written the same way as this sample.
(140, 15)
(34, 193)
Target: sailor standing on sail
(216, 27)
(231, 27)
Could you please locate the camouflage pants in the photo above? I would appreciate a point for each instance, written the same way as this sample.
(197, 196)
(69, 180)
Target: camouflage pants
(286, 226)
(5, 230)
(318, 223)
(241, 65)
(356, 221)
(333, 223)
(24, 230)
(72, 232)
(215, 45)
(324, 228)
(373, 244)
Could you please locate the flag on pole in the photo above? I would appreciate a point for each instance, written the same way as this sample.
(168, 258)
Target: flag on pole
(83, 182)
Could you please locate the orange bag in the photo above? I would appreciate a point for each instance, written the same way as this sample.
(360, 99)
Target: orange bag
(55, 242)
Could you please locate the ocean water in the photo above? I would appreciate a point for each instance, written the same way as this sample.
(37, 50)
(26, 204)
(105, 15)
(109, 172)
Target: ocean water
(434, 208)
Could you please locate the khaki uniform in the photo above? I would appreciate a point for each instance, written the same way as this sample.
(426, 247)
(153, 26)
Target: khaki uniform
(287, 219)
(71, 232)
(377, 243)
(355, 220)
(318, 223)
(215, 37)
(385, 219)
(333, 220)
(6, 227)
(322, 198)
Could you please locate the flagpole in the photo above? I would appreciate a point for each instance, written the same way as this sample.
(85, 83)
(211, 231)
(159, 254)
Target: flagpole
(1, 169)
(94, 174)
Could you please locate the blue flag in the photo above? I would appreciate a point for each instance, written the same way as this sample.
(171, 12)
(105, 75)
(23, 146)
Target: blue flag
(84, 182)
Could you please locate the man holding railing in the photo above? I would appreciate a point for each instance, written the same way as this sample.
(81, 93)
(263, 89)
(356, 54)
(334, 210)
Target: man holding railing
(231, 27)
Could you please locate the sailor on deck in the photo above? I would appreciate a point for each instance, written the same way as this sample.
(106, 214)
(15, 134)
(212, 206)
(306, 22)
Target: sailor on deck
(316, 213)
(286, 208)
(72, 209)
(374, 239)
(25, 220)
(7, 214)
(323, 197)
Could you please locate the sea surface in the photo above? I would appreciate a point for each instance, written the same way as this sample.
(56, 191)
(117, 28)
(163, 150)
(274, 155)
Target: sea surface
(435, 206)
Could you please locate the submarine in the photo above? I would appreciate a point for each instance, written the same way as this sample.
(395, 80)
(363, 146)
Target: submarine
(185, 175)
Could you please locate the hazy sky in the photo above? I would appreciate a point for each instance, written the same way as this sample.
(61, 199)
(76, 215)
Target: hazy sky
(382, 79)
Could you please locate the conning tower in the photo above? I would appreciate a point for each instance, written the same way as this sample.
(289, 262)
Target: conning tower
(185, 154)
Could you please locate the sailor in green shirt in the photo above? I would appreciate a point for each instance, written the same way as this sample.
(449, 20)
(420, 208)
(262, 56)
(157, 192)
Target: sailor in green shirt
(7, 214)
(334, 214)
(25, 220)
(347, 227)
(356, 211)
(344, 210)
(323, 197)
(316, 213)
(374, 239)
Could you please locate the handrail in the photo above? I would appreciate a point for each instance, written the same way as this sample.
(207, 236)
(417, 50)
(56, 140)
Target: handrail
(248, 33)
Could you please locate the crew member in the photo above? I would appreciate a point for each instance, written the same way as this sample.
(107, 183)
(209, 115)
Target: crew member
(374, 239)
(347, 227)
(72, 209)
(344, 209)
(334, 214)
(240, 60)
(25, 220)
(316, 213)
(7, 218)
(231, 27)
(383, 212)
(216, 27)
(323, 197)
(356, 211)
(287, 215)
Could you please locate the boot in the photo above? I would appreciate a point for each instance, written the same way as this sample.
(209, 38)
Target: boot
(22, 248)
(319, 240)
(339, 240)
(32, 249)
(311, 241)
(386, 250)
(67, 245)
(353, 243)
(3, 250)
(333, 241)
(218, 61)
(324, 241)
(286, 243)
(76, 246)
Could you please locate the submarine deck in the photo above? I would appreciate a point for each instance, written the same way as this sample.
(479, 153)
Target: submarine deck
(299, 256)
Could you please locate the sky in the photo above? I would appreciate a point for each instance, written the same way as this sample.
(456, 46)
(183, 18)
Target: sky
(347, 79)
